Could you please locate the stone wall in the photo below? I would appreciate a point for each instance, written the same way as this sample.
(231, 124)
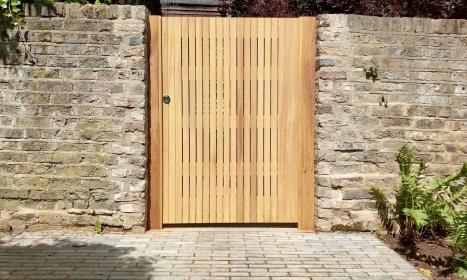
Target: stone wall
(73, 113)
(72, 118)
(422, 75)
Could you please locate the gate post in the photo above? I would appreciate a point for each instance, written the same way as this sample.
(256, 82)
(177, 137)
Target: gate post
(154, 195)
(306, 180)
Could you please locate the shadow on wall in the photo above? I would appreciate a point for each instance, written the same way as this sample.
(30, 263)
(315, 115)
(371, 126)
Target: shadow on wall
(9, 42)
(14, 47)
(59, 257)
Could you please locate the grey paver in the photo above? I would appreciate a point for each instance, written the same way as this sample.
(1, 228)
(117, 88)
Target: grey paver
(202, 254)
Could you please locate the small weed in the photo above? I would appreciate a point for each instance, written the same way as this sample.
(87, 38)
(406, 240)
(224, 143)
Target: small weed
(425, 272)
(371, 70)
(384, 102)
(98, 227)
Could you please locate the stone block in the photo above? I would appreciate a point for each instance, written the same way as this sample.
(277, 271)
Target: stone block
(356, 194)
(44, 24)
(349, 147)
(332, 75)
(87, 25)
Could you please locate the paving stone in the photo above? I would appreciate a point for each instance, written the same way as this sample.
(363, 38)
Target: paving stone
(204, 255)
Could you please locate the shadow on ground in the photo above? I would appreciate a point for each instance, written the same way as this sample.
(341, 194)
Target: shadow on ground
(70, 258)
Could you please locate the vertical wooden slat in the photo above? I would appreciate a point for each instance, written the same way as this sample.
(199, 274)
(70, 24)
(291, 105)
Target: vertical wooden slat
(294, 86)
(199, 120)
(267, 121)
(172, 168)
(282, 59)
(254, 111)
(225, 117)
(232, 120)
(212, 122)
(306, 130)
(155, 219)
(205, 109)
(247, 125)
(240, 123)
(288, 124)
(260, 122)
(165, 120)
(274, 144)
(185, 124)
(192, 114)
(219, 112)
(177, 104)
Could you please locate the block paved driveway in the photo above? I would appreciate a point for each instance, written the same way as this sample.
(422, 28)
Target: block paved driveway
(202, 254)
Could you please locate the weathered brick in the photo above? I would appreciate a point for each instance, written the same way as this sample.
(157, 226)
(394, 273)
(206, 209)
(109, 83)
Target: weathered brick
(421, 78)
(57, 117)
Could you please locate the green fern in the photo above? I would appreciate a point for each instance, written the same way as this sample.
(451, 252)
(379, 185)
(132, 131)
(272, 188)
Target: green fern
(420, 209)
(434, 209)
(459, 234)
(418, 216)
(460, 267)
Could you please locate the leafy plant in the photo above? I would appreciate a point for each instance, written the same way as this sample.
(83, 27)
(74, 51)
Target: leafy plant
(371, 70)
(459, 234)
(435, 209)
(460, 267)
(458, 239)
(11, 10)
(384, 102)
(420, 209)
(98, 227)
(386, 8)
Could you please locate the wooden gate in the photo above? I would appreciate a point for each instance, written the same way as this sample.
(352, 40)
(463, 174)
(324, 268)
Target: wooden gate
(232, 120)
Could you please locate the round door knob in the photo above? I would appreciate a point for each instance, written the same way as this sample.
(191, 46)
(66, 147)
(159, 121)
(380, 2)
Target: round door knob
(166, 99)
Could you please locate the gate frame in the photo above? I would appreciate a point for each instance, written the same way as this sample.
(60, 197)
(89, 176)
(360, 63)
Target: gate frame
(306, 188)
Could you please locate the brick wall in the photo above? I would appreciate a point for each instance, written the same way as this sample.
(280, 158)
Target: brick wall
(423, 76)
(72, 119)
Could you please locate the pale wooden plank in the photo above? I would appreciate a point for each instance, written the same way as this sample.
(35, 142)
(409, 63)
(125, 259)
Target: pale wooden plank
(288, 128)
(282, 136)
(294, 86)
(233, 120)
(247, 123)
(267, 120)
(240, 123)
(212, 122)
(260, 121)
(177, 124)
(274, 112)
(155, 219)
(205, 80)
(165, 120)
(192, 119)
(254, 111)
(219, 112)
(172, 116)
(288, 122)
(306, 130)
(225, 118)
(185, 124)
(199, 120)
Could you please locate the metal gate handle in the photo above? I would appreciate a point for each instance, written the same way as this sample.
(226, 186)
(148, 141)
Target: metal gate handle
(166, 99)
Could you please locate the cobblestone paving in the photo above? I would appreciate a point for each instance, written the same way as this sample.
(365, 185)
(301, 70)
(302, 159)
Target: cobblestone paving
(202, 254)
